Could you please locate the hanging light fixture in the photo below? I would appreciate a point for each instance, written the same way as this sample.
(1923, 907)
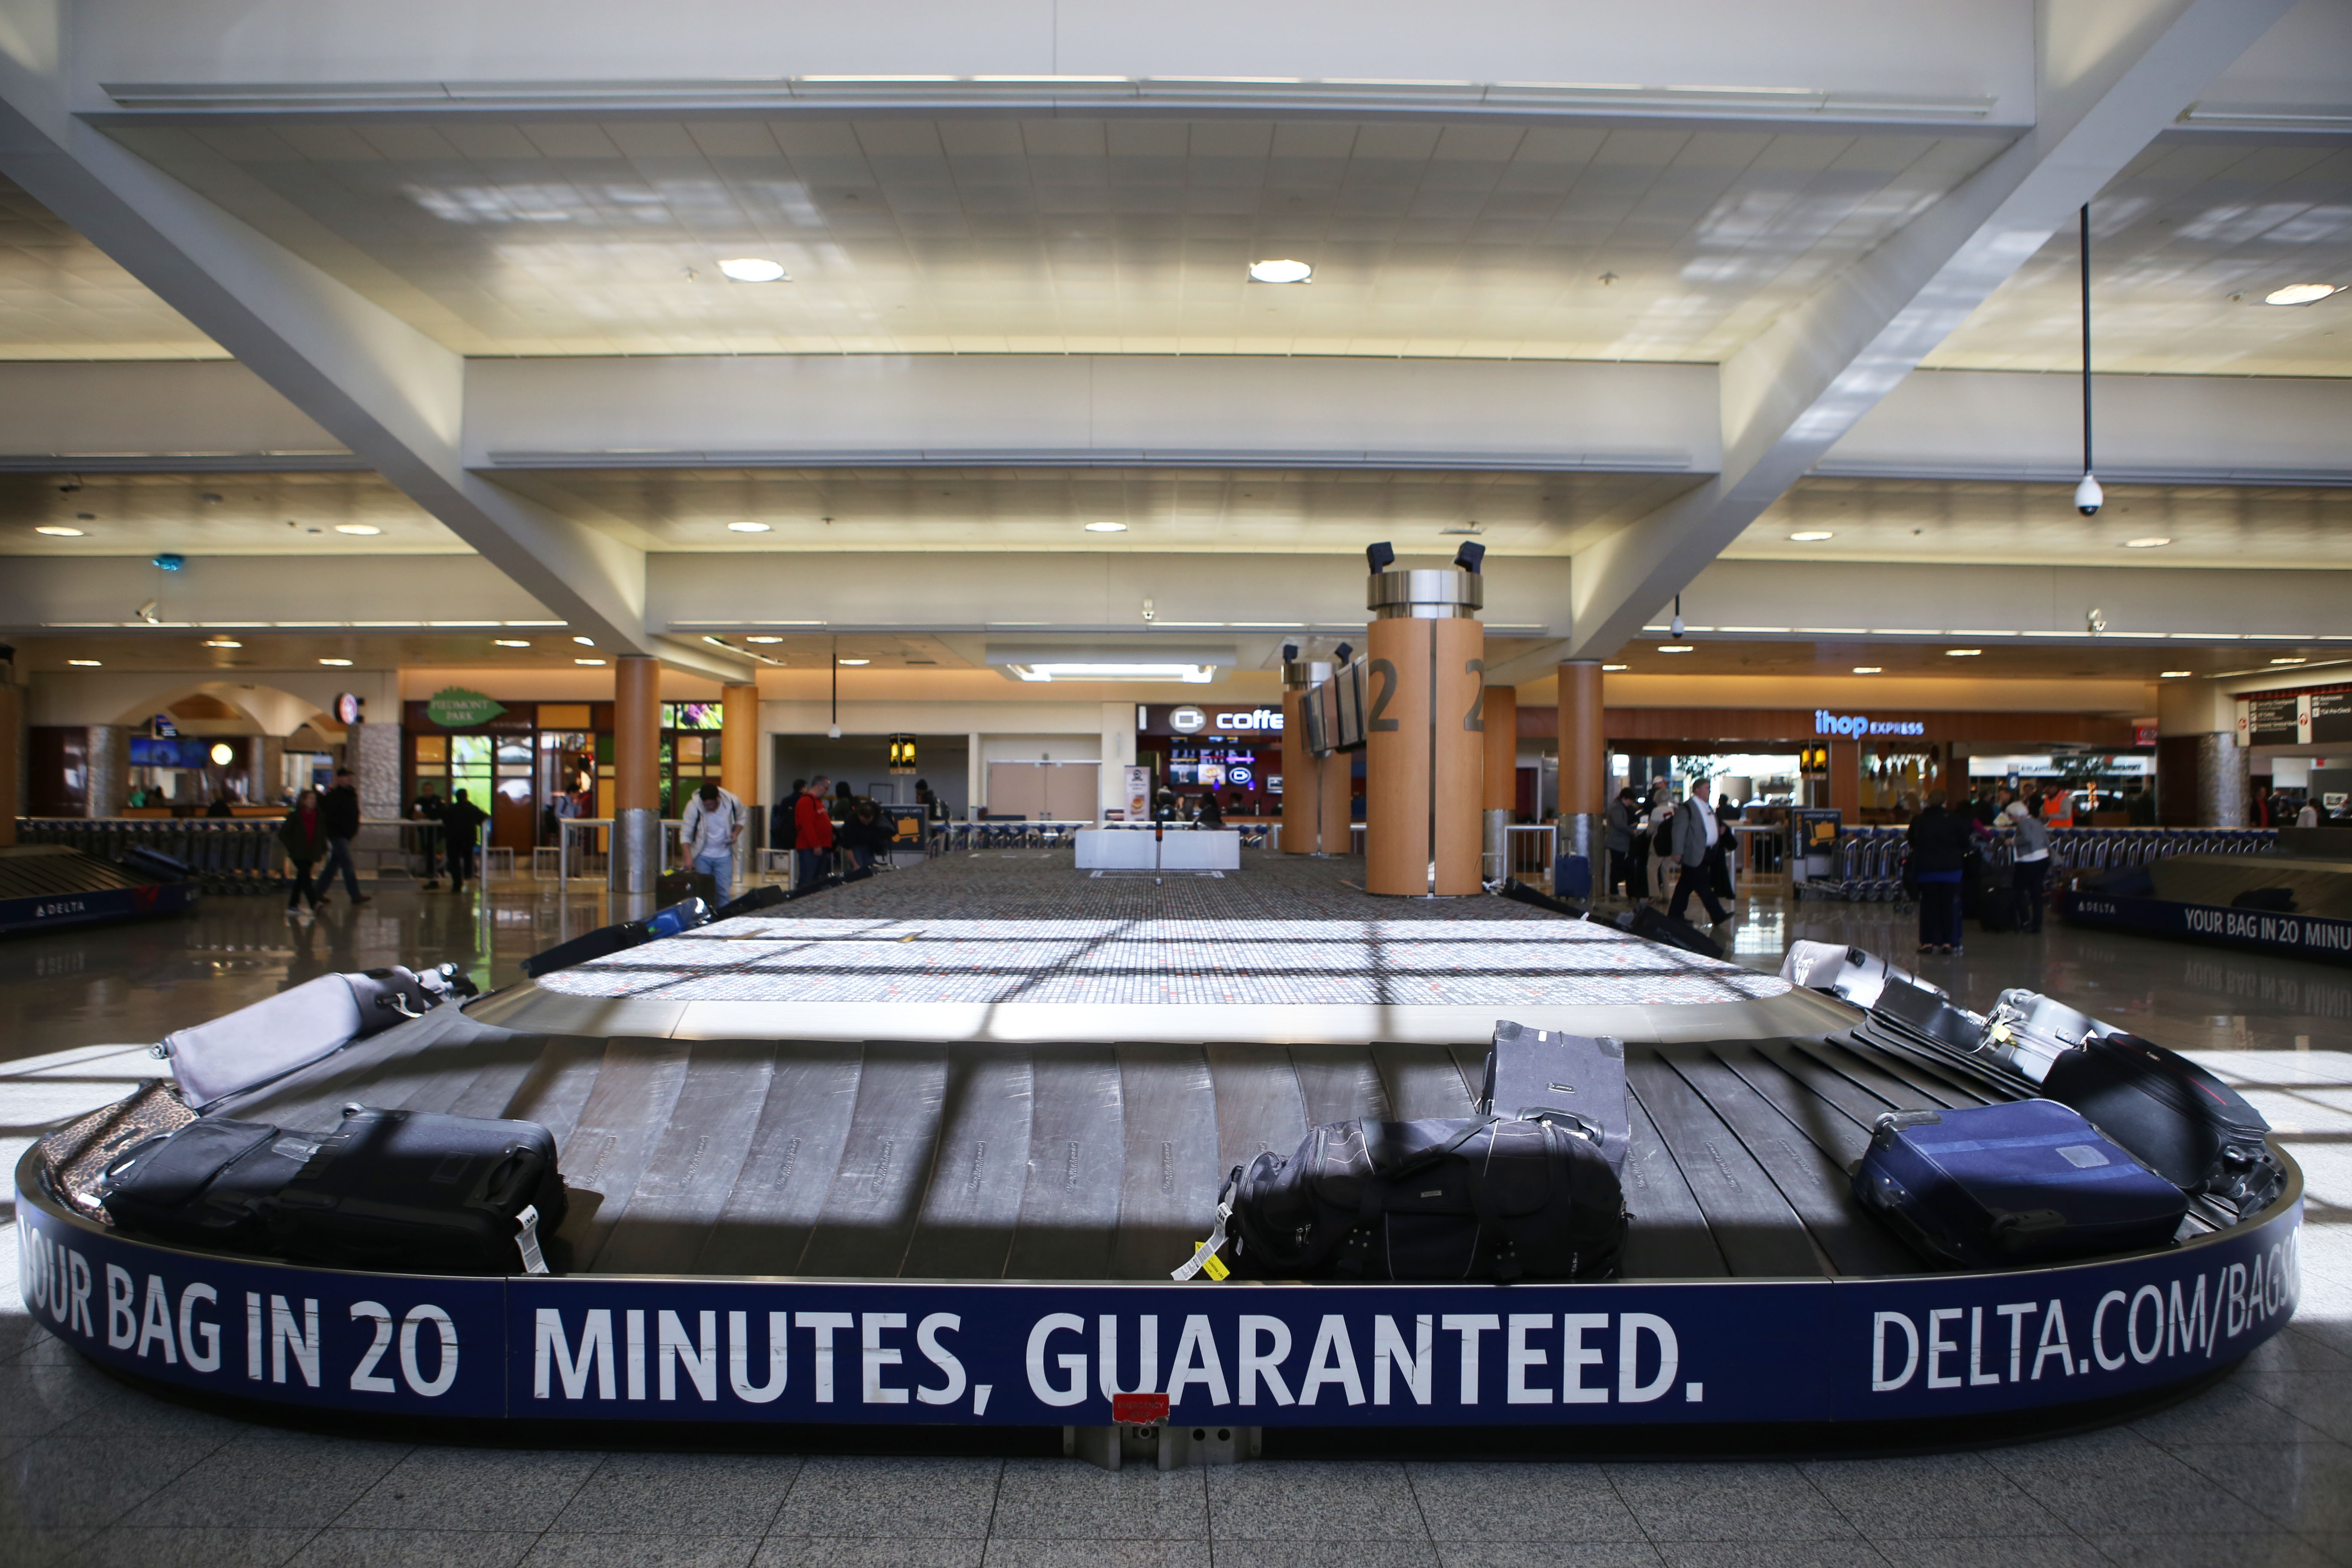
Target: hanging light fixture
(902, 753)
(2088, 496)
(833, 733)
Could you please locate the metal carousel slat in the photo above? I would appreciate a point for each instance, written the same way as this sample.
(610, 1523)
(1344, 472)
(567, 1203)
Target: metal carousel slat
(973, 1203)
(780, 1191)
(1258, 1104)
(1070, 1201)
(1758, 1234)
(619, 1127)
(869, 1215)
(695, 1161)
(1339, 1083)
(1669, 1237)
(1169, 1187)
(1422, 1081)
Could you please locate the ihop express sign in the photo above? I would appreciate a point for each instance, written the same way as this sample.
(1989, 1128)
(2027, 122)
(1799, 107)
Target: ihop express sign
(1858, 724)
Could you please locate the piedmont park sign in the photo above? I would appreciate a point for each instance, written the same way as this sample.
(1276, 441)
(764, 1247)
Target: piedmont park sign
(455, 708)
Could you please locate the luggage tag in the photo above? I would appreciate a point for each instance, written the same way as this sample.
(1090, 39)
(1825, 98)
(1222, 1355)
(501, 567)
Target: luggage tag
(1204, 1258)
(527, 1240)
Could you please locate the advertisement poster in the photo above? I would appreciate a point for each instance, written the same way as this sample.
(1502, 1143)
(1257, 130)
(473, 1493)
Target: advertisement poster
(1139, 793)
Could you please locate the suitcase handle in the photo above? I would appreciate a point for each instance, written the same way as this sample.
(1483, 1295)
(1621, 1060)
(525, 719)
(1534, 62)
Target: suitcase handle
(510, 1178)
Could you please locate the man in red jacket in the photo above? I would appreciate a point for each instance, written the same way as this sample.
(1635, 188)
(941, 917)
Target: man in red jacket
(813, 835)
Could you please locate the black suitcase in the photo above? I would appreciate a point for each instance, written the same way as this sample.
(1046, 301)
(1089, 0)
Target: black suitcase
(619, 937)
(1657, 925)
(1996, 899)
(753, 899)
(413, 1191)
(2178, 1119)
(676, 887)
(1541, 1075)
(1478, 1198)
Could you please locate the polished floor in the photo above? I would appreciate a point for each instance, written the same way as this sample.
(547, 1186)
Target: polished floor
(2256, 1471)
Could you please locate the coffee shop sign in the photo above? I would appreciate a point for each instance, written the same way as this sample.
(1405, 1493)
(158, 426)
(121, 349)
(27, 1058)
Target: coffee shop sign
(1828, 723)
(1191, 720)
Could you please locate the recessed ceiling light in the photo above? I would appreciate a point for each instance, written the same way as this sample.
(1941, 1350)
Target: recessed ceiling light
(85, 663)
(2174, 674)
(511, 642)
(1812, 536)
(596, 661)
(1614, 666)
(584, 642)
(1869, 669)
(1963, 652)
(2300, 293)
(2298, 659)
(1675, 647)
(338, 663)
(763, 639)
(747, 528)
(357, 528)
(58, 531)
(752, 269)
(223, 642)
(2152, 542)
(853, 661)
(1105, 528)
(1280, 271)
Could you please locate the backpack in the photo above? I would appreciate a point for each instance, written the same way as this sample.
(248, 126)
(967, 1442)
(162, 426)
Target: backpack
(1467, 1198)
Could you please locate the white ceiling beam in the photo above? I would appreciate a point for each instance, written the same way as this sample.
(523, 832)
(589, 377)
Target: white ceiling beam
(69, 595)
(377, 385)
(2112, 75)
(1057, 409)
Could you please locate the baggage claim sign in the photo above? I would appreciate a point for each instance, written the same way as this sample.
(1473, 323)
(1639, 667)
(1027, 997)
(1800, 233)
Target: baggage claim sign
(1049, 1355)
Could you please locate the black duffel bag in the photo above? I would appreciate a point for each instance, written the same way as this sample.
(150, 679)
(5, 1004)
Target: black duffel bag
(2186, 1124)
(1474, 1198)
(411, 1191)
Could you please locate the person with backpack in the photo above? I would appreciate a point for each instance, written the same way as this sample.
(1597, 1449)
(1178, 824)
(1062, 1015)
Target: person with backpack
(783, 821)
(461, 821)
(340, 812)
(2028, 865)
(1617, 837)
(714, 821)
(811, 836)
(1941, 841)
(304, 836)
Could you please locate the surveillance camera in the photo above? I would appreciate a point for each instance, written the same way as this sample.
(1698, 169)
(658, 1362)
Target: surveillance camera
(1343, 653)
(1379, 556)
(1290, 653)
(2089, 497)
(2095, 622)
(70, 486)
(1469, 556)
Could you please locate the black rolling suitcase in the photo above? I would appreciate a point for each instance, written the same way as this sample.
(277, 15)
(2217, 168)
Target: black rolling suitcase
(1541, 1075)
(2181, 1119)
(1993, 1185)
(753, 899)
(1658, 926)
(1478, 1198)
(1996, 899)
(413, 1190)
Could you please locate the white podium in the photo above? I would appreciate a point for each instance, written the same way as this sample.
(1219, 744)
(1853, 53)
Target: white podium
(1139, 850)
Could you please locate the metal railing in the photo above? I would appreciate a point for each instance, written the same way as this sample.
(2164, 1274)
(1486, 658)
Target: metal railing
(225, 855)
(1868, 865)
(1529, 851)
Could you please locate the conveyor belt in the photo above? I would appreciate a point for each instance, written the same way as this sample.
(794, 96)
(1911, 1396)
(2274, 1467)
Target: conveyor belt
(1092, 1161)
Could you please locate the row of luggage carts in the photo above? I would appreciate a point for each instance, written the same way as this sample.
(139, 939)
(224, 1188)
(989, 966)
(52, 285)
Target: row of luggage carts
(235, 854)
(1868, 867)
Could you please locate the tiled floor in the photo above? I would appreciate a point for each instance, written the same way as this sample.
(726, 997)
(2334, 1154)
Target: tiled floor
(2256, 1472)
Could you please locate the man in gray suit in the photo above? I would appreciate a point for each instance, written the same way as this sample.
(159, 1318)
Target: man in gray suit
(1695, 836)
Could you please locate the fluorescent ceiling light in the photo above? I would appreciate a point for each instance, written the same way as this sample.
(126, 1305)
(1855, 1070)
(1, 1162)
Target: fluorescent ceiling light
(357, 528)
(2296, 661)
(765, 639)
(1280, 271)
(584, 642)
(2300, 293)
(511, 642)
(1190, 674)
(1963, 652)
(337, 663)
(594, 661)
(1811, 535)
(752, 269)
(58, 531)
(84, 663)
(223, 642)
(1675, 647)
(1105, 528)
(2174, 674)
(2154, 542)
(747, 528)
(1607, 668)
(1869, 669)
(853, 661)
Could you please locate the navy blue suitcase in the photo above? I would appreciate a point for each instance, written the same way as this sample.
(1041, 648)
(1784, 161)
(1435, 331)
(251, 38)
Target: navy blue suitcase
(1991, 1186)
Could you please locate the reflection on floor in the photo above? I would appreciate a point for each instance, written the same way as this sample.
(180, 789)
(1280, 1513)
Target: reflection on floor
(2257, 1471)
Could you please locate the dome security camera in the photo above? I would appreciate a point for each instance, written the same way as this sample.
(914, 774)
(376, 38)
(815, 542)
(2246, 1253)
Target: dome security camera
(2089, 497)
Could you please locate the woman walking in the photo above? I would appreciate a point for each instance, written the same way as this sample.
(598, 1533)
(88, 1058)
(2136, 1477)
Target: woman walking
(304, 835)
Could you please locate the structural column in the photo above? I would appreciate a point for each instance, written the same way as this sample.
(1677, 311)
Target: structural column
(12, 752)
(1499, 710)
(1846, 781)
(1302, 770)
(738, 764)
(1583, 771)
(636, 855)
(1425, 748)
(108, 761)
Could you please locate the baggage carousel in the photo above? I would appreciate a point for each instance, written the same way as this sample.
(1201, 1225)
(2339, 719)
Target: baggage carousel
(924, 1151)
(2294, 901)
(45, 887)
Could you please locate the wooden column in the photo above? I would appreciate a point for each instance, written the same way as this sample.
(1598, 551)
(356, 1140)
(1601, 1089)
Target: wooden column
(738, 742)
(12, 754)
(1426, 760)
(637, 773)
(1845, 780)
(1302, 771)
(1583, 742)
(1502, 716)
